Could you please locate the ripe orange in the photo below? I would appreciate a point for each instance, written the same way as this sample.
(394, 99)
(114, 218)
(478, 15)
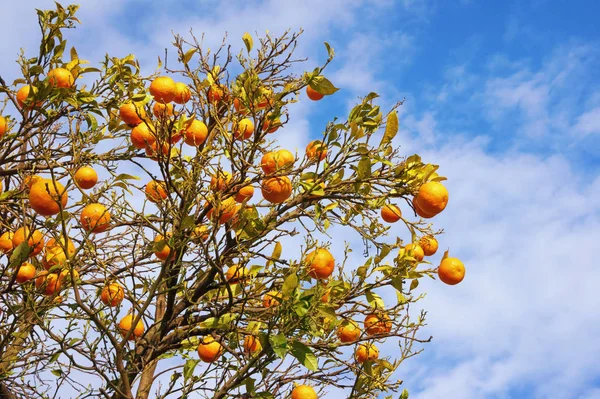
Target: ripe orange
(391, 213)
(348, 331)
(132, 114)
(25, 273)
(60, 77)
(22, 95)
(163, 89)
(276, 189)
(196, 132)
(431, 199)
(182, 93)
(220, 181)
(280, 160)
(252, 344)
(313, 94)
(316, 150)
(376, 324)
(35, 239)
(161, 110)
(320, 263)
(209, 350)
(48, 283)
(55, 253)
(163, 253)
(153, 151)
(304, 392)
(156, 191)
(236, 274)
(2, 126)
(29, 181)
(65, 275)
(45, 197)
(239, 107)
(112, 294)
(6, 242)
(243, 129)
(429, 245)
(451, 271)
(175, 136)
(142, 137)
(366, 351)
(86, 177)
(225, 210)
(272, 299)
(271, 125)
(215, 94)
(125, 325)
(265, 98)
(415, 251)
(95, 218)
(245, 193)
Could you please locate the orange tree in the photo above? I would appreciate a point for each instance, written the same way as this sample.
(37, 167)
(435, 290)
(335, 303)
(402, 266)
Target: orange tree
(158, 243)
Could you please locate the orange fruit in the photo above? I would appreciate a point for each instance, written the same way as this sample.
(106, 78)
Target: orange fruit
(239, 107)
(25, 273)
(195, 133)
(313, 94)
(429, 245)
(66, 275)
(215, 94)
(86, 177)
(29, 181)
(161, 110)
(182, 93)
(156, 191)
(200, 231)
(419, 211)
(415, 251)
(366, 351)
(243, 129)
(276, 189)
(3, 125)
(142, 137)
(272, 299)
(6, 242)
(320, 263)
(163, 89)
(236, 273)
(175, 136)
(95, 218)
(391, 213)
(252, 344)
(220, 181)
(35, 239)
(152, 151)
(348, 331)
(55, 252)
(376, 324)
(60, 77)
(245, 193)
(280, 160)
(209, 350)
(271, 125)
(304, 392)
(48, 283)
(112, 294)
(162, 254)
(316, 150)
(22, 95)
(225, 210)
(451, 271)
(265, 98)
(132, 114)
(125, 325)
(45, 196)
(431, 199)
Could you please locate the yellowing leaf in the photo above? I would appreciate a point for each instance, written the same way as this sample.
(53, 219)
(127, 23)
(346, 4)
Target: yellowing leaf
(248, 41)
(322, 85)
(391, 129)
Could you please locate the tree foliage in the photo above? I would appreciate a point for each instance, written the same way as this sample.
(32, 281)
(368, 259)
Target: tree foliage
(187, 248)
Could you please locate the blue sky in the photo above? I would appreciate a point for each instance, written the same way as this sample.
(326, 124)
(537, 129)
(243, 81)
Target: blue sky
(505, 96)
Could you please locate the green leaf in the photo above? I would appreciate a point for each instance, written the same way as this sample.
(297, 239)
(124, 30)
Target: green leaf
(125, 176)
(276, 251)
(305, 355)
(57, 372)
(330, 51)
(414, 284)
(404, 394)
(364, 168)
(188, 368)
(374, 300)
(74, 55)
(289, 285)
(20, 253)
(279, 344)
(224, 321)
(188, 55)
(248, 41)
(322, 85)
